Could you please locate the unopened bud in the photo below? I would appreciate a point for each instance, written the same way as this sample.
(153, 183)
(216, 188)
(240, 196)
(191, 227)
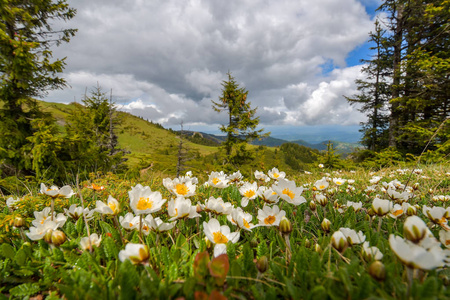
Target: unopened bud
(199, 209)
(48, 236)
(411, 211)
(377, 270)
(326, 224)
(58, 237)
(285, 226)
(371, 212)
(339, 242)
(307, 243)
(19, 222)
(262, 264)
(317, 248)
(312, 205)
(321, 199)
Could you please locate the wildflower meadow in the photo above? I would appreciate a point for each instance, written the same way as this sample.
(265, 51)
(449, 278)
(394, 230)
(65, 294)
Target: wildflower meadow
(315, 235)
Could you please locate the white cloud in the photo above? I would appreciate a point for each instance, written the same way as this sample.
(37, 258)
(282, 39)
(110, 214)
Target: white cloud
(166, 60)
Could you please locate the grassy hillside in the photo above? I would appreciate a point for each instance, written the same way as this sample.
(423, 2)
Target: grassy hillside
(149, 144)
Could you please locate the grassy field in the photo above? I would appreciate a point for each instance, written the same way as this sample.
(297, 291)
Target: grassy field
(322, 249)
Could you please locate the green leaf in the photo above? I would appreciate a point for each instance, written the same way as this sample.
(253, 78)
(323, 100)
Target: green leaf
(20, 258)
(6, 250)
(26, 289)
(79, 225)
(218, 268)
(110, 248)
(173, 271)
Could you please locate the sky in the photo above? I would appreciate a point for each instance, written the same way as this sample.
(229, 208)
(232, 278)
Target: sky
(165, 60)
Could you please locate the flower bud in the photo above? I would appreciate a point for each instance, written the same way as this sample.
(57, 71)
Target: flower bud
(312, 205)
(411, 211)
(48, 236)
(371, 212)
(198, 208)
(58, 237)
(317, 248)
(414, 229)
(321, 199)
(19, 222)
(262, 264)
(285, 226)
(326, 224)
(307, 243)
(338, 241)
(377, 270)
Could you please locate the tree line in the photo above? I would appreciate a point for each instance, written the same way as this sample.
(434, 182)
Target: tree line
(406, 91)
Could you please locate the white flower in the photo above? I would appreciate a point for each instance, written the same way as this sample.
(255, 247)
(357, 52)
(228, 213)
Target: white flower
(217, 206)
(375, 179)
(321, 184)
(38, 232)
(339, 241)
(270, 216)
(437, 215)
(397, 196)
(92, 240)
(268, 195)
(136, 253)
(275, 174)
(321, 166)
(218, 180)
(53, 191)
(415, 229)
(11, 202)
(157, 225)
(45, 215)
(288, 191)
(352, 236)
(339, 181)
(417, 256)
(220, 249)
(236, 177)
(180, 208)
(241, 219)
(144, 201)
(129, 221)
(249, 191)
(356, 205)
(261, 176)
(381, 207)
(180, 187)
(76, 212)
(444, 238)
(396, 211)
(110, 208)
(371, 252)
(219, 234)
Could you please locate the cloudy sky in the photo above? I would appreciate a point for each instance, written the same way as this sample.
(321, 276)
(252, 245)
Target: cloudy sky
(165, 59)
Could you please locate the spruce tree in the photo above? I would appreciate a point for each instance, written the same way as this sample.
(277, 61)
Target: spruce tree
(242, 123)
(27, 70)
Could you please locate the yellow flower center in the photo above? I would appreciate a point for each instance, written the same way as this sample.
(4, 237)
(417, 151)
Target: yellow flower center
(288, 192)
(219, 238)
(131, 224)
(397, 212)
(181, 189)
(338, 182)
(246, 224)
(215, 180)
(249, 193)
(442, 221)
(112, 205)
(144, 203)
(321, 187)
(145, 227)
(276, 175)
(269, 220)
